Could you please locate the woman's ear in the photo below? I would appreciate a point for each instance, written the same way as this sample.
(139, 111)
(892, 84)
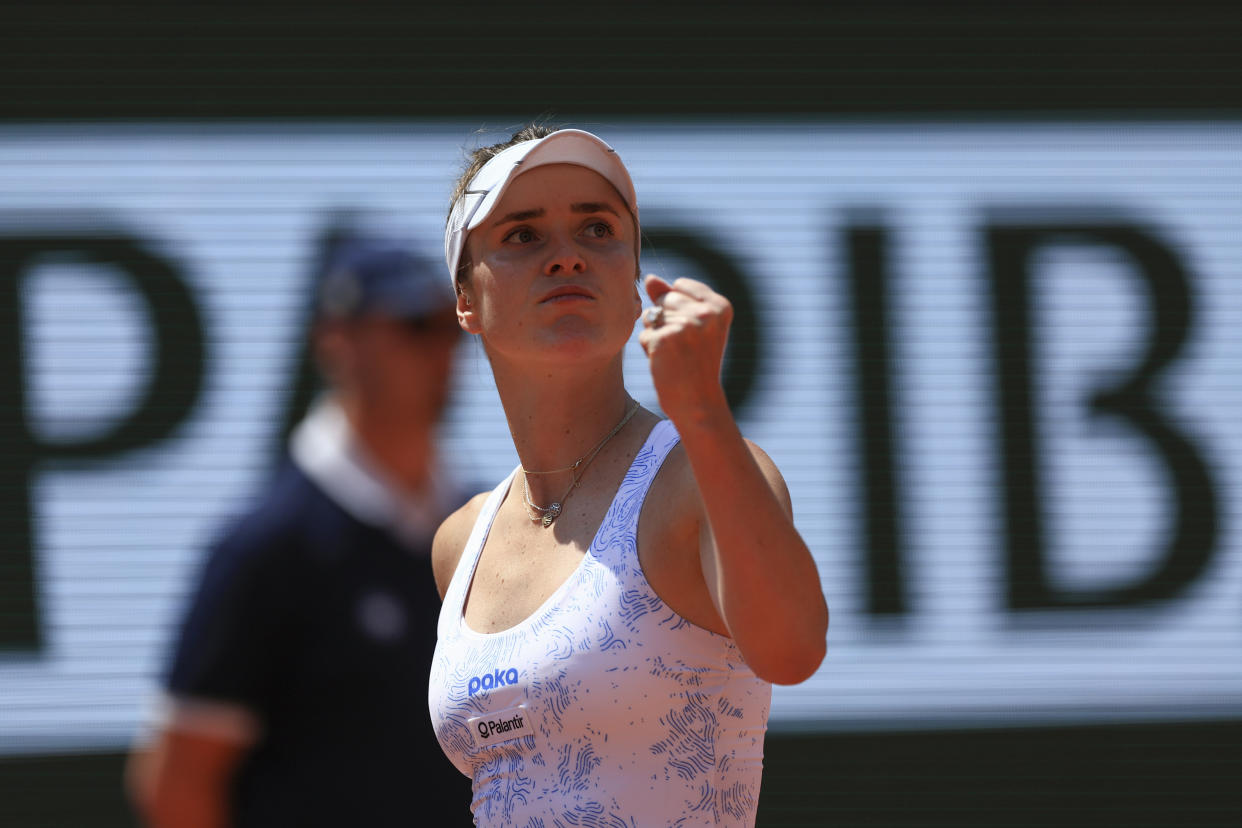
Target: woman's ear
(467, 317)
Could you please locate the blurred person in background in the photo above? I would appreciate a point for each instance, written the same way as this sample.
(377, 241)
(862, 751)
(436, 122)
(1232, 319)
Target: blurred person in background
(296, 694)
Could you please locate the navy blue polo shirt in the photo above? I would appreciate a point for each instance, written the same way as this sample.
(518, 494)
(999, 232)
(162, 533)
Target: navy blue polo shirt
(323, 626)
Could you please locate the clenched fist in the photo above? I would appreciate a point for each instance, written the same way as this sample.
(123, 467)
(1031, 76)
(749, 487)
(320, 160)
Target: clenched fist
(684, 335)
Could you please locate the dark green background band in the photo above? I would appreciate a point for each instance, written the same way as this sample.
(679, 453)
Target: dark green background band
(417, 60)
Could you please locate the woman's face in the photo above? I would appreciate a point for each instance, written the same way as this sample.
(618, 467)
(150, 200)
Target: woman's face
(553, 270)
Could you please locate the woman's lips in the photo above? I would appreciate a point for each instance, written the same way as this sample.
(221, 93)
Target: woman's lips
(564, 295)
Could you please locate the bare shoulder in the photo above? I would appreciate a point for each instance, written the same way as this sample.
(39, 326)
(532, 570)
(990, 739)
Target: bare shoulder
(674, 492)
(676, 484)
(674, 532)
(450, 540)
(776, 481)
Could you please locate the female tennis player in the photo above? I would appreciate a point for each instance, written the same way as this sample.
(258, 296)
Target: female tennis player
(616, 610)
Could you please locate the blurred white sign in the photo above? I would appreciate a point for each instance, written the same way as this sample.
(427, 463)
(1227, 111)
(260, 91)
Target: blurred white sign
(999, 365)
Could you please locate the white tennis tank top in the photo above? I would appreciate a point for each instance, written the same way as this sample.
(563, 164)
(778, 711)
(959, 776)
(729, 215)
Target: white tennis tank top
(604, 707)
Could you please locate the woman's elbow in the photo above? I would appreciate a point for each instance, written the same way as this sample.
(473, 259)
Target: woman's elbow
(798, 657)
(799, 668)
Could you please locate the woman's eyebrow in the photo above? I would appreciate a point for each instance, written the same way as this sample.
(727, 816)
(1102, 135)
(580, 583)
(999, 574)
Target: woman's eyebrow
(593, 207)
(520, 215)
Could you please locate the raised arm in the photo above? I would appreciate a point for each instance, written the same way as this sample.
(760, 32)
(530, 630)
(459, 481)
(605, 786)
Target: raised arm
(761, 576)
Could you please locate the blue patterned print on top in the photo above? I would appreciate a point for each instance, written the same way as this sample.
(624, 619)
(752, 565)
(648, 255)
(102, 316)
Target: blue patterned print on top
(637, 716)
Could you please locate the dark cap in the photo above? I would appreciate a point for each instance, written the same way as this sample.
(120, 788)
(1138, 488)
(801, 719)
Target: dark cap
(377, 276)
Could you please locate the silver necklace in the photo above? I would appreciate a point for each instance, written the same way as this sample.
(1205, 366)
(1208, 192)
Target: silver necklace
(548, 514)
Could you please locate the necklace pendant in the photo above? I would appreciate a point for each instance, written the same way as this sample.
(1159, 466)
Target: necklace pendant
(554, 511)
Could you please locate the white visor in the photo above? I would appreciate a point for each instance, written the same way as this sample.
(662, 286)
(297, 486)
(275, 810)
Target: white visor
(566, 146)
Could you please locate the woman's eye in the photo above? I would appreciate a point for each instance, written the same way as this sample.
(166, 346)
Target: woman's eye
(522, 235)
(599, 230)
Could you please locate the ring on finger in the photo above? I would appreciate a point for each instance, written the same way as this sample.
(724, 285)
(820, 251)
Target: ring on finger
(654, 315)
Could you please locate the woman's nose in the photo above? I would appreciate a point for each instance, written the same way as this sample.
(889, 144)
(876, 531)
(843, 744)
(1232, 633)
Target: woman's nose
(565, 259)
